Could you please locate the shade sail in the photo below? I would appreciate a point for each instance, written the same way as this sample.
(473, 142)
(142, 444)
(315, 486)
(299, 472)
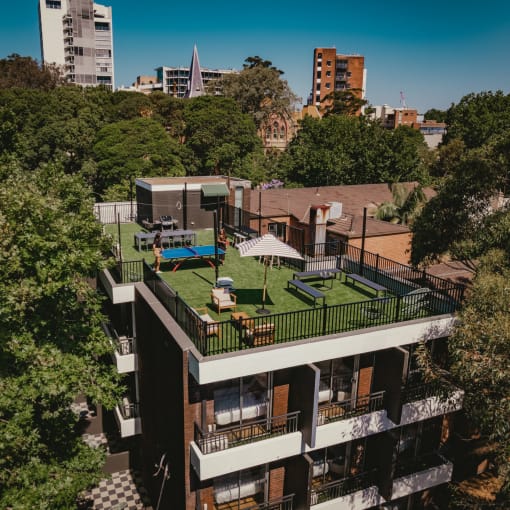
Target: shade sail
(266, 246)
(215, 190)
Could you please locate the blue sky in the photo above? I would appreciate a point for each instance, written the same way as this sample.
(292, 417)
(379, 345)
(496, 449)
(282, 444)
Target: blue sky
(435, 51)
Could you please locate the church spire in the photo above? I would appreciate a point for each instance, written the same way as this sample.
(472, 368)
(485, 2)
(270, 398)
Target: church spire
(195, 84)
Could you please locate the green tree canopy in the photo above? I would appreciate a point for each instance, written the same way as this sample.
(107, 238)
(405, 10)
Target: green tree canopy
(139, 147)
(435, 114)
(51, 340)
(24, 72)
(260, 91)
(478, 118)
(218, 135)
(343, 102)
(339, 149)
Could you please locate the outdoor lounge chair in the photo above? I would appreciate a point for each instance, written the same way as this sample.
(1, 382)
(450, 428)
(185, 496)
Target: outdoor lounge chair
(414, 302)
(213, 327)
(222, 299)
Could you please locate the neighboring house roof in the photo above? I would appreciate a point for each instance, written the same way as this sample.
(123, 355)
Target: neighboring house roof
(296, 202)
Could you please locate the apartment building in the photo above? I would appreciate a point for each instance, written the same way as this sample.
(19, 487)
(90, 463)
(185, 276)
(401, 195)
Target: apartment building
(336, 72)
(77, 35)
(320, 408)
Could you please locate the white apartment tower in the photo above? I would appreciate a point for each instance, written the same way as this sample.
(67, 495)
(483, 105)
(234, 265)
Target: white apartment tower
(77, 35)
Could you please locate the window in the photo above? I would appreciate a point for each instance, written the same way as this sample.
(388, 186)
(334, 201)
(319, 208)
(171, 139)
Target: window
(277, 229)
(102, 26)
(319, 55)
(103, 53)
(328, 73)
(328, 85)
(319, 74)
(328, 63)
(275, 130)
(53, 4)
(282, 131)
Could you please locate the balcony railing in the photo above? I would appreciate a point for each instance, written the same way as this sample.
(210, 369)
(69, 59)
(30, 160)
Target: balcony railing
(129, 410)
(284, 503)
(336, 411)
(423, 462)
(123, 344)
(243, 433)
(421, 391)
(340, 488)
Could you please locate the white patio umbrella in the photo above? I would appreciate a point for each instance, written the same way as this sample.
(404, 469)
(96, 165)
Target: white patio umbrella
(265, 246)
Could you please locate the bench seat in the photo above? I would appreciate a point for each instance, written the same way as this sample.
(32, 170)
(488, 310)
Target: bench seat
(311, 291)
(365, 281)
(324, 274)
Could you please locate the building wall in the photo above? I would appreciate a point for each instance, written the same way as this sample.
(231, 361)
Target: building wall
(395, 247)
(332, 71)
(77, 35)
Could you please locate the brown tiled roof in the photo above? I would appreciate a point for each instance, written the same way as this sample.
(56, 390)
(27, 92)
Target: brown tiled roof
(352, 226)
(297, 202)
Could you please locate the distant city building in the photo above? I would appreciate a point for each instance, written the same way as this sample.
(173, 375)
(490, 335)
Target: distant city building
(336, 72)
(190, 81)
(77, 36)
(392, 118)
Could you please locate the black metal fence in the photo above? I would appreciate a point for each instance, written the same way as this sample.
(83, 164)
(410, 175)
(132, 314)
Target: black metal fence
(336, 411)
(241, 433)
(339, 488)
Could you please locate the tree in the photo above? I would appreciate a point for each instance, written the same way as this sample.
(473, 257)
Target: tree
(51, 339)
(343, 102)
(218, 135)
(259, 91)
(256, 61)
(139, 147)
(25, 72)
(435, 114)
(405, 205)
(452, 222)
(339, 149)
(477, 118)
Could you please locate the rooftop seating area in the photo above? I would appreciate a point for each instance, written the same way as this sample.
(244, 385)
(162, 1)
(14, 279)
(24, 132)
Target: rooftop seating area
(292, 315)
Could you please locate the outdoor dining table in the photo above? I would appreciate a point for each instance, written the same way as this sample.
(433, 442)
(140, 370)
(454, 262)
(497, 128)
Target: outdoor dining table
(146, 238)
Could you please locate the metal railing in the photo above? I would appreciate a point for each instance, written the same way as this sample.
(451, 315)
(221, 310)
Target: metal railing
(129, 410)
(123, 344)
(423, 390)
(339, 488)
(285, 503)
(336, 411)
(128, 272)
(242, 433)
(422, 462)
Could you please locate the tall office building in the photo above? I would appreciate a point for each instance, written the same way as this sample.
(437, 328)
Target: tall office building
(335, 72)
(77, 36)
(303, 408)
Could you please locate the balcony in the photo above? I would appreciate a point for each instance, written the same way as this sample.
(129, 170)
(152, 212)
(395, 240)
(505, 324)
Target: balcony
(124, 354)
(422, 401)
(346, 409)
(128, 418)
(344, 492)
(237, 435)
(418, 474)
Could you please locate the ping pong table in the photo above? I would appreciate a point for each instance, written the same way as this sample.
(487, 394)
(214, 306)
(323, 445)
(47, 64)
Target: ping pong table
(180, 255)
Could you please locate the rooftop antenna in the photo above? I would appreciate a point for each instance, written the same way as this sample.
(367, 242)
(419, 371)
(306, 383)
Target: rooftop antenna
(402, 100)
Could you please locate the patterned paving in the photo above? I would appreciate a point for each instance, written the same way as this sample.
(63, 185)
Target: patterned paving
(123, 491)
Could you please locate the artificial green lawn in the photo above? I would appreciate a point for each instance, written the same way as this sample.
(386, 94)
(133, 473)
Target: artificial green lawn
(195, 278)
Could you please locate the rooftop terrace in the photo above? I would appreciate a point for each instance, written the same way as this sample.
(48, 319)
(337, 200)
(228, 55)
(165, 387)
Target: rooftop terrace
(293, 315)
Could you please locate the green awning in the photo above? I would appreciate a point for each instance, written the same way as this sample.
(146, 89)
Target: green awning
(215, 190)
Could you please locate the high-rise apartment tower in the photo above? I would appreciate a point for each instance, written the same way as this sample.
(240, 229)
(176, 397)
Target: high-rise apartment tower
(77, 36)
(335, 72)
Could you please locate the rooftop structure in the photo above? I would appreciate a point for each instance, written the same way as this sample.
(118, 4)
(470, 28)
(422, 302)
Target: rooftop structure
(77, 35)
(318, 404)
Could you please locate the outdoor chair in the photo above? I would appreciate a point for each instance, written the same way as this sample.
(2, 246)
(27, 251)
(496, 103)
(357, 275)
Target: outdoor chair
(213, 327)
(222, 299)
(414, 302)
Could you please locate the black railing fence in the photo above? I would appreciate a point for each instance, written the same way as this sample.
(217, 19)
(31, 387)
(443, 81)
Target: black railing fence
(406, 466)
(336, 411)
(441, 297)
(255, 430)
(284, 503)
(338, 488)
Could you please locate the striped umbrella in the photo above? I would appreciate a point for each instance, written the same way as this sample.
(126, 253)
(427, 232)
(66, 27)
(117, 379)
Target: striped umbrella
(266, 246)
